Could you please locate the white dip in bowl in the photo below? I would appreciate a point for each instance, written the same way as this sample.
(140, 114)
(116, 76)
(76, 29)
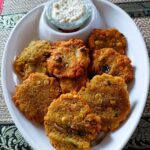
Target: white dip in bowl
(49, 29)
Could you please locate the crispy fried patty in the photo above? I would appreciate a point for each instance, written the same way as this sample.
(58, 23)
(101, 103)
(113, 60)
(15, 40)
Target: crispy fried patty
(35, 94)
(69, 59)
(109, 99)
(70, 123)
(107, 38)
(33, 59)
(70, 85)
(107, 60)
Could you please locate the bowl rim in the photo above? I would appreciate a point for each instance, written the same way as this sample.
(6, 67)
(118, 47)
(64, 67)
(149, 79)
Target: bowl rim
(69, 25)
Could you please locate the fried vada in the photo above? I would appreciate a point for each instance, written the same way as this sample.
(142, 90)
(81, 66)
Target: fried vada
(108, 97)
(107, 60)
(70, 85)
(33, 59)
(69, 59)
(35, 94)
(70, 124)
(107, 38)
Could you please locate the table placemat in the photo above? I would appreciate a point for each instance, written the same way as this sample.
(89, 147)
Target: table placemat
(13, 10)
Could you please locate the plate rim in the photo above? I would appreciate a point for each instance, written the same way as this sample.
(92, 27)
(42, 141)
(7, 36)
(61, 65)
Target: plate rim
(148, 67)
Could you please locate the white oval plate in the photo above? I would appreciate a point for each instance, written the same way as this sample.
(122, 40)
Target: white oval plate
(27, 30)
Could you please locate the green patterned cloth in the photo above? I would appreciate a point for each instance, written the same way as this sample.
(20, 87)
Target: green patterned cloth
(10, 138)
(9, 21)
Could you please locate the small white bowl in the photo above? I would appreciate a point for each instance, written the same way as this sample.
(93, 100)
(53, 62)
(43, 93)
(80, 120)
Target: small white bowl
(51, 33)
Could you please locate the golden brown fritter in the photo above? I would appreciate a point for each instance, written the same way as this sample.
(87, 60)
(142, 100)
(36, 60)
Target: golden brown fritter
(70, 123)
(72, 43)
(35, 94)
(107, 60)
(61, 141)
(107, 38)
(69, 85)
(69, 59)
(109, 99)
(33, 59)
